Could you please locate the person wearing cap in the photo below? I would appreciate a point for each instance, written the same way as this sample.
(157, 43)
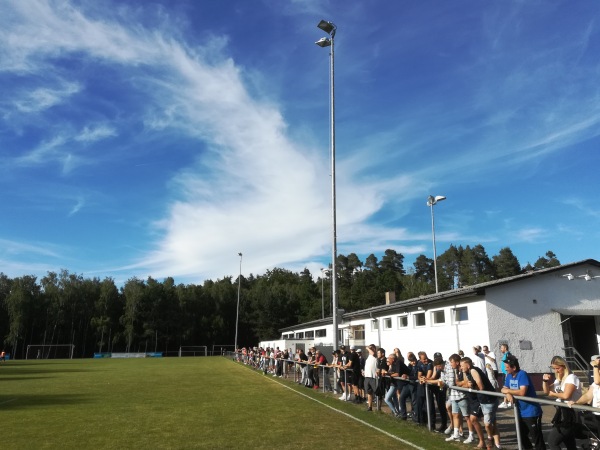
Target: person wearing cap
(517, 382)
(345, 374)
(591, 421)
(356, 373)
(361, 378)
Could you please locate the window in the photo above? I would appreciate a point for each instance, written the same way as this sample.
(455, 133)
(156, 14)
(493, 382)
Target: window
(419, 319)
(357, 333)
(438, 317)
(300, 335)
(460, 314)
(309, 334)
(321, 333)
(387, 323)
(374, 324)
(403, 322)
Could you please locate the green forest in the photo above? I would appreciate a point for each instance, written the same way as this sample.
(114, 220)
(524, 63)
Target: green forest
(160, 316)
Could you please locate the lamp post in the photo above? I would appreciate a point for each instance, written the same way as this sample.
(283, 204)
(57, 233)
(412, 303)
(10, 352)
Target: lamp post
(431, 200)
(324, 273)
(237, 314)
(330, 29)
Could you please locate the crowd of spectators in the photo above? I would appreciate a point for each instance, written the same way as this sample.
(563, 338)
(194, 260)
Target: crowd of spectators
(420, 389)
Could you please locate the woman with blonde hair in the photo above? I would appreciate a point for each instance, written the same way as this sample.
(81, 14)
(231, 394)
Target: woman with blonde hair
(565, 388)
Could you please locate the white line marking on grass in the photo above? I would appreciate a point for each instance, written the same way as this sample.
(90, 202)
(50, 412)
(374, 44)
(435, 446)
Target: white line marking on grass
(349, 415)
(8, 401)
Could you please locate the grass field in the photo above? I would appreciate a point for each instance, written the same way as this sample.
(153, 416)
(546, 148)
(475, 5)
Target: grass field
(174, 403)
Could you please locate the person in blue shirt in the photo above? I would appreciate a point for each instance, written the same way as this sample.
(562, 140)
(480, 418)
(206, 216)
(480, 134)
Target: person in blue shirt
(517, 382)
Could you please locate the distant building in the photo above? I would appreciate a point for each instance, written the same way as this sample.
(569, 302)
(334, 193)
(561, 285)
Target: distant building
(539, 314)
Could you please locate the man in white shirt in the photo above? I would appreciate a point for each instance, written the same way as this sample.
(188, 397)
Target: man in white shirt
(478, 358)
(370, 376)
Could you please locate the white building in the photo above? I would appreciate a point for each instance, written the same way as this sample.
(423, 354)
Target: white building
(538, 314)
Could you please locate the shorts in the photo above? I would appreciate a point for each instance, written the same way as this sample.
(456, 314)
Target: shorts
(489, 412)
(474, 407)
(346, 377)
(370, 385)
(460, 406)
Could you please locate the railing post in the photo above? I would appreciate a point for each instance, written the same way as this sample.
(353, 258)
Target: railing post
(345, 385)
(428, 409)
(518, 428)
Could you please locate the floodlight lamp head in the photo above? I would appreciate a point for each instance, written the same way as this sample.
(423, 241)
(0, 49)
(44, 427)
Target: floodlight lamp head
(569, 276)
(327, 27)
(240, 254)
(431, 200)
(324, 42)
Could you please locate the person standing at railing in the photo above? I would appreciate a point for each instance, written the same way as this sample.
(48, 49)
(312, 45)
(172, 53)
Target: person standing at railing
(591, 420)
(409, 387)
(425, 369)
(480, 404)
(458, 399)
(566, 387)
(370, 376)
(393, 371)
(530, 414)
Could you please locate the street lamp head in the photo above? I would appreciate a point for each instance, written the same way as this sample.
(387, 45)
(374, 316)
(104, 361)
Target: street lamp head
(324, 42)
(431, 200)
(327, 27)
(240, 254)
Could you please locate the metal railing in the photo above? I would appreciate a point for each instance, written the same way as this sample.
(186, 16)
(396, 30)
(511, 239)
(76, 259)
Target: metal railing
(574, 358)
(299, 366)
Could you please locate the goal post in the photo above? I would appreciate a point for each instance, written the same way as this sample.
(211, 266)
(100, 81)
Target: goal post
(193, 350)
(50, 351)
(221, 349)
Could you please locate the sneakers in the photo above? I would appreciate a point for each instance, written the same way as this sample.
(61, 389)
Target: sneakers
(449, 430)
(453, 438)
(369, 408)
(343, 397)
(469, 440)
(504, 405)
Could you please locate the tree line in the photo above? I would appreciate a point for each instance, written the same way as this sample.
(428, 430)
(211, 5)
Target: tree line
(149, 315)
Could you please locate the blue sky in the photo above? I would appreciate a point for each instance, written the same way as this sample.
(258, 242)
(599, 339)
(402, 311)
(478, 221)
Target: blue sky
(161, 138)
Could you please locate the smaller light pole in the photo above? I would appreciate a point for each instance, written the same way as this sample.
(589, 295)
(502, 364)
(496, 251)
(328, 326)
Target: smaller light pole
(324, 273)
(431, 200)
(237, 314)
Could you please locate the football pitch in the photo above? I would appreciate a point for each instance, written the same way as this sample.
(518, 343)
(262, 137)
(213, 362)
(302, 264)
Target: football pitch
(179, 403)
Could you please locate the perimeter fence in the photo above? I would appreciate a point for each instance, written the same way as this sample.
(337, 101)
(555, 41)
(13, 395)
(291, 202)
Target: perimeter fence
(324, 378)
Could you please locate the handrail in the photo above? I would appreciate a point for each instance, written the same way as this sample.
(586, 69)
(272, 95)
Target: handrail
(576, 358)
(430, 414)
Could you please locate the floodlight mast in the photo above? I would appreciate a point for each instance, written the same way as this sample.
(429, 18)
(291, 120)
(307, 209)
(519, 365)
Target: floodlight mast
(431, 200)
(330, 29)
(237, 314)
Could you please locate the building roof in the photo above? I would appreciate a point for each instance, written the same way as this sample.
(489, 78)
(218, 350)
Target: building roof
(466, 291)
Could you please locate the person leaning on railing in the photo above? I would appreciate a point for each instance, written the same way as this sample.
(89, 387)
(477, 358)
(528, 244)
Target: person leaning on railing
(566, 387)
(517, 382)
(591, 420)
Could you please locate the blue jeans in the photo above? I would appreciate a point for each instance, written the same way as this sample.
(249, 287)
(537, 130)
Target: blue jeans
(392, 399)
(408, 391)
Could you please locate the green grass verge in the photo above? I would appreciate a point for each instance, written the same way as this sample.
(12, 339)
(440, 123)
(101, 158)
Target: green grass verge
(178, 403)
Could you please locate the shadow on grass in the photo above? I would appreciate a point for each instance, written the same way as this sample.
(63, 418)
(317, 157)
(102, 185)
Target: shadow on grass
(16, 402)
(28, 370)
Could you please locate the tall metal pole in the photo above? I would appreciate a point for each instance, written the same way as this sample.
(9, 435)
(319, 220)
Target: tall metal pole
(237, 314)
(434, 251)
(431, 200)
(322, 296)
(331, 29)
